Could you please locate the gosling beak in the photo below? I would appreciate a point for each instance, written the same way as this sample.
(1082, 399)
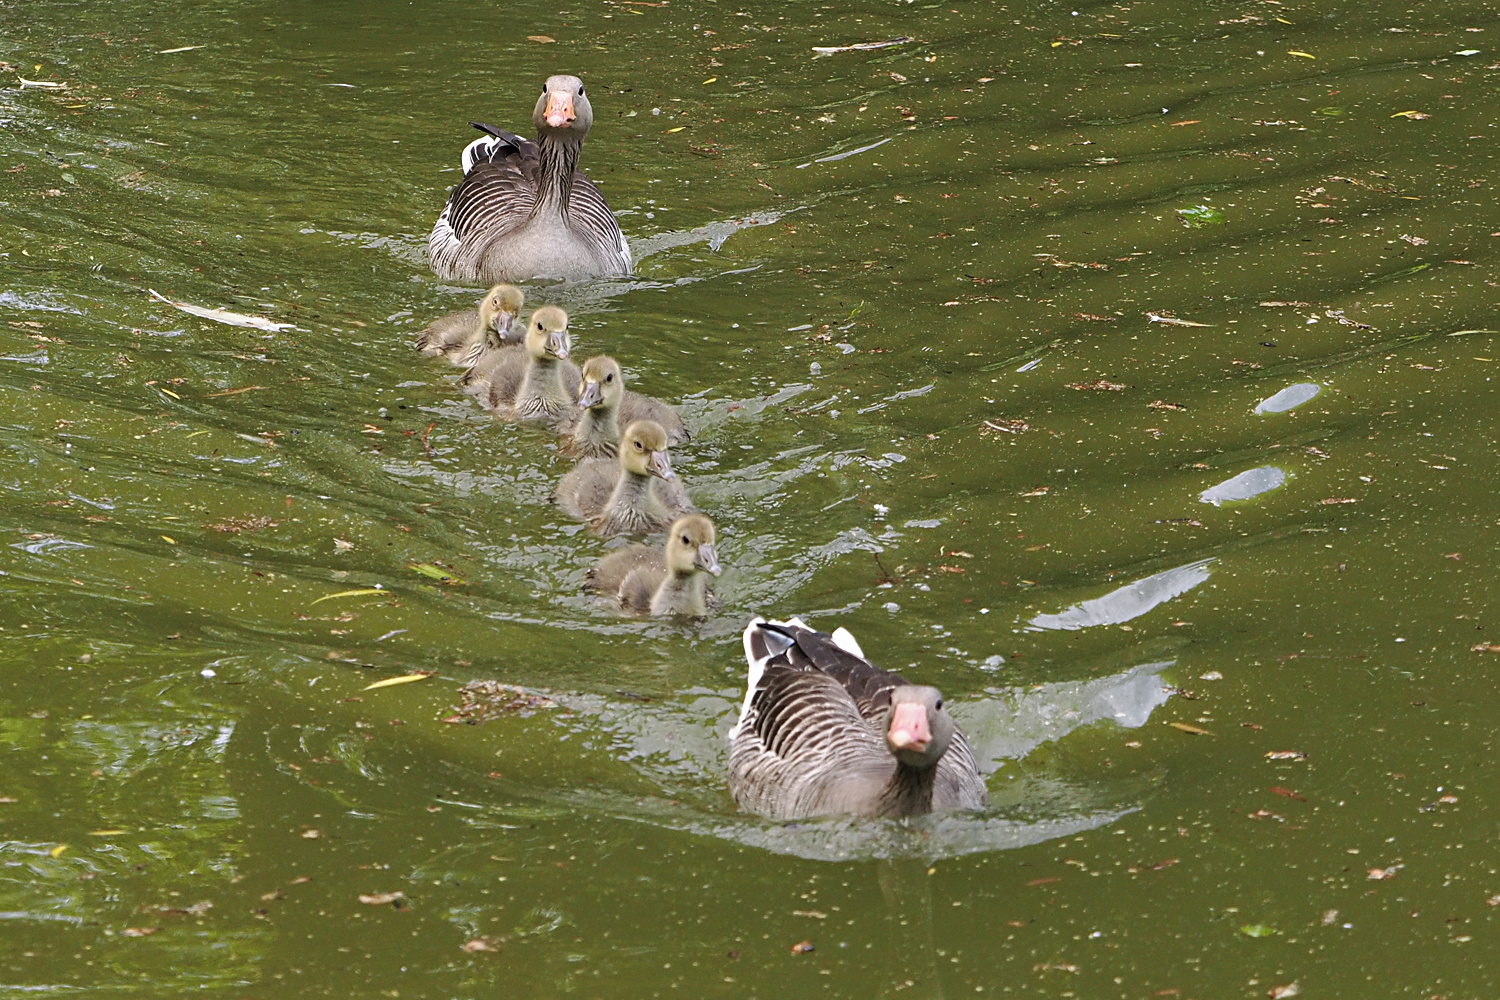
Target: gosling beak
(503, 320)
(708, 559)
(661, 465)
(559, 113)
(557, 344)
(592, 394)
(908, 730)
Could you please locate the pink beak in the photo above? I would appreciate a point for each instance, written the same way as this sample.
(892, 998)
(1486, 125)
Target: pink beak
(559, 111)
(909, 727)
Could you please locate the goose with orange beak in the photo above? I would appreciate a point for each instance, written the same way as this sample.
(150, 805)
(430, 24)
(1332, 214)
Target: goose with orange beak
(523, 209)
(825, 732)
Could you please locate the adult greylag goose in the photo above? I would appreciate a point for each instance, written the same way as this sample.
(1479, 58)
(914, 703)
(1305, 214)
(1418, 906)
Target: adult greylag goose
(605, 405)
(535, 382)
(664, 581)
(638, 493)
(523, 210)
(824, 732)
(462, 337)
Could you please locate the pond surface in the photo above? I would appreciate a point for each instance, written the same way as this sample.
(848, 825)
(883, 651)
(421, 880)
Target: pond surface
(964, 328)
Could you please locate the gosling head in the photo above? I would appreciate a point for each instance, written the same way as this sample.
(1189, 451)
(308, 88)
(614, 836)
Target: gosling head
(498, 310)
(690, 546)
(547, 338)
(643, 450)
(918, 731)
(562, 110)
(603, 384)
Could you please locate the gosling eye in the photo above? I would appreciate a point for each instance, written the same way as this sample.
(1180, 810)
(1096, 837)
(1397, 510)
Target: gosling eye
(610, 377)
(638, 446)
(685, 540)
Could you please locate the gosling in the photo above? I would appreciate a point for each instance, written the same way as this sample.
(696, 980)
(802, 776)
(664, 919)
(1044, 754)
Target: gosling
(536, 384)
(462, 337)
(670, 581)
(638, 494)
(604, 404)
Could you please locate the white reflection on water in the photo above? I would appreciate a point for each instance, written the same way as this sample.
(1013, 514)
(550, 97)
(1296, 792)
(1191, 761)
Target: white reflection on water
(1248, 484)
(1289, 398)
(1129, 601)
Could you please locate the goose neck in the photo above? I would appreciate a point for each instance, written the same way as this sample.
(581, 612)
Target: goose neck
(559, 158)
(909, 792)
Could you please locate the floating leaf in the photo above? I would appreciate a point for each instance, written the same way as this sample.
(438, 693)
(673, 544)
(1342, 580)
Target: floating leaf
(139, 931)
(677, 129)
(393, 681)
(382, 898)
(1418, 115)
(1332, 111)
(57, 851)
(106, 833)
(169, 539)
(1257, 930)
(435, 572)
(349, 593)
(1299, 54)
(544, 39)
(712, 79)
(1194, 730)
(1200, 215)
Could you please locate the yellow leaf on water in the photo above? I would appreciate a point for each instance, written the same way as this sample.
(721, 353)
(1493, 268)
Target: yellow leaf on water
(434, 572)
(57, 851)
(169, 539)
(1283, 20)
(1300, 55)
(1189, 729)
(712, 79)
(393, 681)
(106, 833)
(677, 129)
(169, 392)
(349, 593)
(1410, 114)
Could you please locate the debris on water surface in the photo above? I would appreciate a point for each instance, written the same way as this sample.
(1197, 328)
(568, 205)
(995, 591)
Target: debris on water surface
(1098, 385)
(1200, 215)
(1161, 404)
(1257, 930)
(482, 701)
(1286, 755)
(1171, 320)
(438, 573)
(139, 931)
(1012, 426)
(1191, 730)
(541, 39)
(803, 947)
(420, 675)
(224, 315)
(1286, 793)
(480, 944)
(828, 50)
(396, 899)
(41, 84)
(1283, 991)
(1382, 874)
(235, 525)
(1415, 115)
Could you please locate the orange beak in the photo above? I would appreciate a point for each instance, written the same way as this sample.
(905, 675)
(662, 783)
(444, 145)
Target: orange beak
(559, 113)
(909, 727)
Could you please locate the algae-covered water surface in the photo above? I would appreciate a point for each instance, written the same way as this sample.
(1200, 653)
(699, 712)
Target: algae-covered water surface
(1124, 370)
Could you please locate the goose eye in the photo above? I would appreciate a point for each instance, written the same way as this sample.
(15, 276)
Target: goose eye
(939, 705)
(580, 91)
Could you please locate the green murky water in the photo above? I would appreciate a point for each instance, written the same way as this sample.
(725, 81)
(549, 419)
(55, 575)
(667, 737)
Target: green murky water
(972, 332)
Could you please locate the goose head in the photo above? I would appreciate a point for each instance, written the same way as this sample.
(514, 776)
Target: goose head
(498, 310)
(603, 384)
(547, 338)
(690, 546)
(643, 450)
(918, 731)
(562, 110)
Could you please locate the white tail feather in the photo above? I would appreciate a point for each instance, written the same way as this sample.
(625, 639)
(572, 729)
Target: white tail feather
(845, 641)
